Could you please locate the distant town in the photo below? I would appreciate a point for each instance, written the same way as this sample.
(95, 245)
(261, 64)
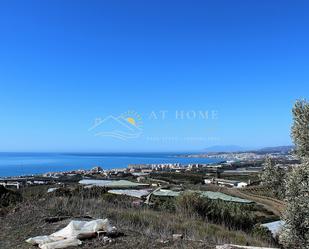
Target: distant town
(237, 163)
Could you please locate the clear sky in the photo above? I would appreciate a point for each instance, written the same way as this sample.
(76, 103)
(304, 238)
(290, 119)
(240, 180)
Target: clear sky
(64, 64)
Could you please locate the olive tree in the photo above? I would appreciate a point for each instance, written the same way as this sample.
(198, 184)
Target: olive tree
(273, 177)
(300, 128)
(295, 232)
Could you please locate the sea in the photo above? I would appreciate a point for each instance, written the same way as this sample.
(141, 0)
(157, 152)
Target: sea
(20, 164)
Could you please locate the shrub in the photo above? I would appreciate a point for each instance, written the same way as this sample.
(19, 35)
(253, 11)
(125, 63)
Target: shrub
(263, 233)
(8, 197)
(232, 215)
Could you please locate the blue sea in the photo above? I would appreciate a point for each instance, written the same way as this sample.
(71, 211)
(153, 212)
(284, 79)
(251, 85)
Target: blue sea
(18, 164)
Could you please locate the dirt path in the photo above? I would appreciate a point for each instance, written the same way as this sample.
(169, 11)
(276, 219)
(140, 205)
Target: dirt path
(274, 205)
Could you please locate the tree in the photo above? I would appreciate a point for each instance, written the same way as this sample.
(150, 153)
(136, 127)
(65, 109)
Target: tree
(295, 233)
(273, 177)
(300, 128)
(268, 172)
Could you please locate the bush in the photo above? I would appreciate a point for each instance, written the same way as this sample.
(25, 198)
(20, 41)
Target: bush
(8, 197)
(232, 215)
(263, 233)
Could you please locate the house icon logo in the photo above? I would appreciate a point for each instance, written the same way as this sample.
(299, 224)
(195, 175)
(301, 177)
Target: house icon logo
(124, 127)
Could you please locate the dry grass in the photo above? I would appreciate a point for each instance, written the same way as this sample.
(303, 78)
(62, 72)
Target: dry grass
(142, 227)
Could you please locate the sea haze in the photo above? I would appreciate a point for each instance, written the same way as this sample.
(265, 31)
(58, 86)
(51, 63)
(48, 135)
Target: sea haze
(17, 164)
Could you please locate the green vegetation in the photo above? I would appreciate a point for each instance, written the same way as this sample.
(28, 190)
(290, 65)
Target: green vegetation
(273, 177)
(179, 178)
(253, 177)
(232, 215)
(263, 233)
(300, 128)
(8, 198)
(296, 230)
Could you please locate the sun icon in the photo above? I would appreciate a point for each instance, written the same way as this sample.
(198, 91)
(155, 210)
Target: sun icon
(131, 121)
(133, 118)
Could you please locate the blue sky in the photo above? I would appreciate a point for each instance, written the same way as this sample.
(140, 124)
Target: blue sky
(65, 63)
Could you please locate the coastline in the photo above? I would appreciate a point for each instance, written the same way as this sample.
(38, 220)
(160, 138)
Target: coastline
(21, 164)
